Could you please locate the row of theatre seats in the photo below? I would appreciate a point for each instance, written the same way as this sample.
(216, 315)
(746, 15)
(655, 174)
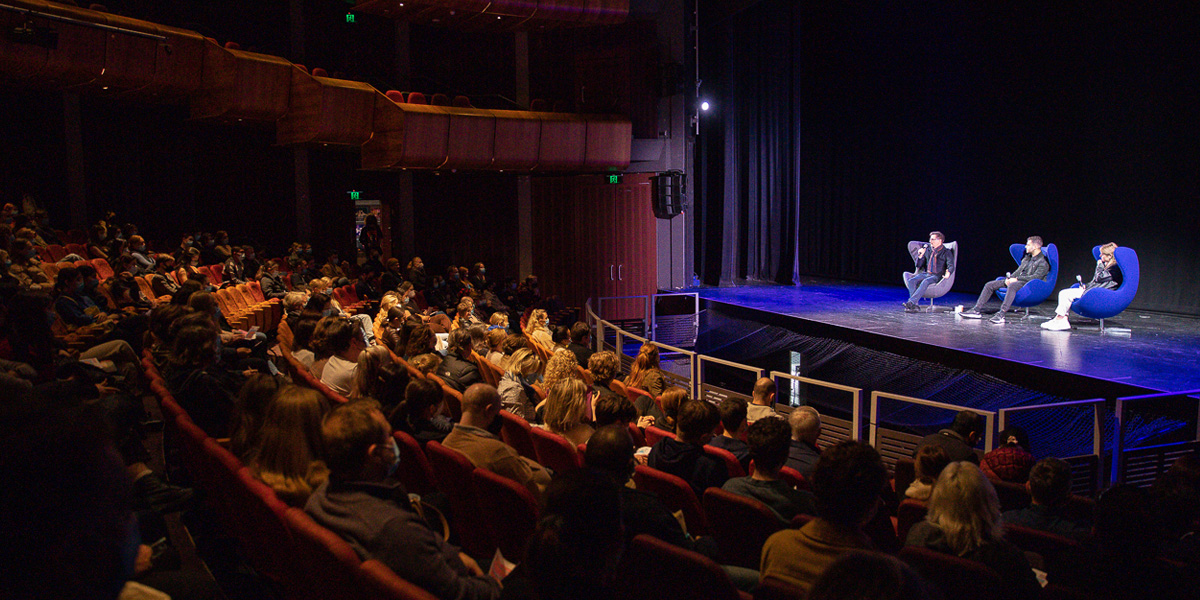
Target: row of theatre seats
(507, 519)
(147, 62)
(504, 15)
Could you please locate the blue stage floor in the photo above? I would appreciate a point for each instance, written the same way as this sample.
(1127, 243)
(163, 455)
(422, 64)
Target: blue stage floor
(1160, 352)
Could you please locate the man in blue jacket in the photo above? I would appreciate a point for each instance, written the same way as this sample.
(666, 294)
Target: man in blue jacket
(1034, 265)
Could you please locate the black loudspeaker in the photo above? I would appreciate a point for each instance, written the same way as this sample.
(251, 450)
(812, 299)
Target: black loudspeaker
(667, 190)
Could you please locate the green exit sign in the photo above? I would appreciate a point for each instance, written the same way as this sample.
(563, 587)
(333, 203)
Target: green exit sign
(349, 17)
(355, 195)
(614, 179)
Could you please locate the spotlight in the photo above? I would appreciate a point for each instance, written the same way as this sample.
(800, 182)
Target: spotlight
(704, 105)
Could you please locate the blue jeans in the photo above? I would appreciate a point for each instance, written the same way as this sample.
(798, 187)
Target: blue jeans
(918, 284)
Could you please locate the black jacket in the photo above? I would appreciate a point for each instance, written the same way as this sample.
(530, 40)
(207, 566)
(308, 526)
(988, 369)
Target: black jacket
(943, 261)
(689, 462)
(1032, 267)
(458, 372)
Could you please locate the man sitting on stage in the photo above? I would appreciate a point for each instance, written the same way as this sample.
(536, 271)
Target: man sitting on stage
(934, 263)
(1034, 265)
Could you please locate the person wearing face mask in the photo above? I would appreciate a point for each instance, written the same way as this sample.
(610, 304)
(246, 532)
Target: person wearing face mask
(41, 224)
(161, 282)
(272, 281)
(235, 268)
(455, 287)
(366, 506)
(26, 268)
(478, 277)
(416, 273)
(516, 386)
(144, 259)
(250, 262)
(187, 242)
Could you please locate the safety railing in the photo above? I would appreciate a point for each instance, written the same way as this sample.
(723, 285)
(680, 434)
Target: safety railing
(1086, 475)
(683, 375)
(1141, 466)
(715, 393)
(893, 444)
(676, 328)
(833, 429)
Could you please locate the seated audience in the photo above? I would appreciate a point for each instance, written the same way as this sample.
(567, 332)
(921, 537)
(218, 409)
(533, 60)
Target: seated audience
(537, 327)
(645, 373)
(288, 453)
(805, 423)
(580, 335)
(869, 576)
(964, 521)
(1122, 561)
(421, 413)
(420, 341)
(427, 363)
(473, 437)
(26, 268)
(302, 337)
(379, 377)
(458, 370)
(561, 336)
(685, 457)
(566, 408)
(342, 344)
(762, 400)
(250, 410)
(614, 409)
(271, 281)
(845, 484)
(733, 421)
(516, 386)
(201, 386)
(561, 366)
(1011, 460)
(610, 451)
(665, 411)
(495, 345)
(1049, 486)
(928, 466)
(769, 442)
(512, 343)
(604, 368)
(959, 439)
(162, 281)
(363, 504)
(1176, 499)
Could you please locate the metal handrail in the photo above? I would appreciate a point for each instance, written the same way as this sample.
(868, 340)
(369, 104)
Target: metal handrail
(654, 308)
(701, 360)
(1097, 425)
(30, 12)
(1118, 455)
(989, 415)
(691, 356)
(855, 393)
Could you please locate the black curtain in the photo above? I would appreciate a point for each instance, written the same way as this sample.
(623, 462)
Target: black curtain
(845, 129)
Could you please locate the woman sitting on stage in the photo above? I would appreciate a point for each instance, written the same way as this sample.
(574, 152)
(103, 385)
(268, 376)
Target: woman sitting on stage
(1101, 278)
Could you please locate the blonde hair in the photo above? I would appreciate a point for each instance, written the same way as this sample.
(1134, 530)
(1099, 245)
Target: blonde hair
(1108, 249)
(498, 318)
(538, 319)
(562, 365)
(426, 363)
(646, 361)
(965, 507)
(524, 362)
(370, 373)
(672, 398)
(386, 303)
(565, 405)
(288, 455)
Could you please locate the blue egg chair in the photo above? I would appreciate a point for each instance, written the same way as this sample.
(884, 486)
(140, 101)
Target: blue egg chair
(1035, 292)
(1102, 303)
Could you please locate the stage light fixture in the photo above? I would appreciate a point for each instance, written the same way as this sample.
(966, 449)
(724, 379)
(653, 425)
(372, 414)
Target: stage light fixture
(704, 105)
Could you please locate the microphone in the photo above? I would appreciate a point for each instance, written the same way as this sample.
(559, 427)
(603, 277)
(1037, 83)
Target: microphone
(1079, 279)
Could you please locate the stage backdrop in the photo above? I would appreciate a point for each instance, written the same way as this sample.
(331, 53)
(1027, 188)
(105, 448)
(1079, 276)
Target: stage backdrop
(844, 129)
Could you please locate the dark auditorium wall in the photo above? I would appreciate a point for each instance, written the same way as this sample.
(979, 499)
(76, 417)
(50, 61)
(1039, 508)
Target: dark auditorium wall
(989, 121)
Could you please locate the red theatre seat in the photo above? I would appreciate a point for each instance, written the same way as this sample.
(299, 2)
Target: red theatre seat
(651, 567)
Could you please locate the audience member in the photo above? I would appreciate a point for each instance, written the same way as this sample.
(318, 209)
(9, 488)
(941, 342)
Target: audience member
(762, 400)
(1049, 485)
(928, 465)
(249, 411)
(861, 575)
(604, 368)
(733, 423)
(665, 411)
(645, 373)
(288, 453)
(805, 423)
(458, 370)
(495, 343)
(959, 439)
(342, 344)
(769, 442)
(421, 413)
(363, 504)
(685, 457)
(427, 363)
(272, 281)
(473, 436)
(964, 520)
(566, 407)
(200, 385)
(614, 409)
(1011, 460)
(302, 336)
(516, 386)
(845, 484)
(1176, 500)
(26, 268)
(379, 377)
(580, 335)
(561, 366)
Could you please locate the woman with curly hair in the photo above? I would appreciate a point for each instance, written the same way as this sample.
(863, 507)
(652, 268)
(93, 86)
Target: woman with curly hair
(562, 365)
(539, 330)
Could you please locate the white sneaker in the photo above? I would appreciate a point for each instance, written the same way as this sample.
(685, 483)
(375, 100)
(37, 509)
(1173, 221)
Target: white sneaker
(1057, 324)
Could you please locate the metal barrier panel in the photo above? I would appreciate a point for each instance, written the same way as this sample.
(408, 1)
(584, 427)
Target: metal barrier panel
(840, 429)
(714, 393)
(1096, 407)
(833, 430)
(624, 312)
(680, 329)
(1137, 465)
(897, 442)
(1086, 476)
